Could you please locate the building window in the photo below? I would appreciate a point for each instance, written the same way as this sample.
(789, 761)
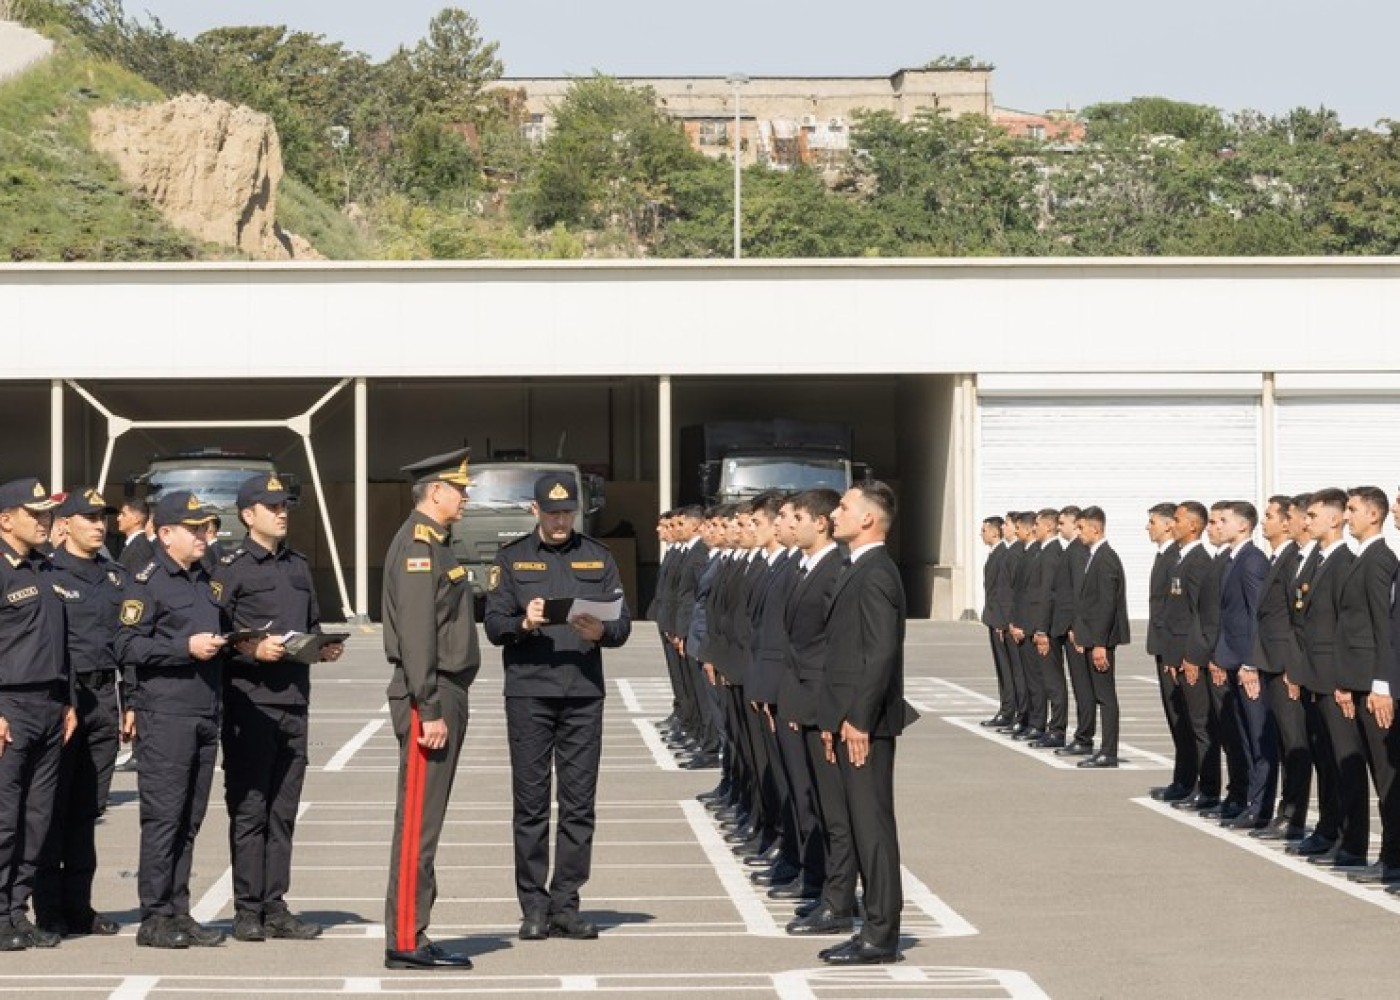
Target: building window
(714, 133)
(534, 128)
(1036, 132)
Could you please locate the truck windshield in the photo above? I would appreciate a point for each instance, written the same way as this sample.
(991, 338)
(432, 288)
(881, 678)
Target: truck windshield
(792, 475)
(502, 489)
(216, 487)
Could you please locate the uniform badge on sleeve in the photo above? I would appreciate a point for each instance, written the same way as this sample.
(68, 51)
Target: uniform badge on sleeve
(419, 564)
(218, 589)
(133, 612)
(493, 579)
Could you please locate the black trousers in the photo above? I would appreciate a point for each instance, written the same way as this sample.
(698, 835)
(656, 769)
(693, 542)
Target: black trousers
(1329, 809)
(839, 888)
(1257, 739)
(1186, 768)
(1295, 756)
(768, 775)
(668, 653)
(1353, 784)
(28, 786)
(809, 849)
(1016, 673)
(424, 786)
(264, 770)
(1106, 700)
(63, 883)
(1002, 664)
(870, 802)
(549, 737)
(1224, 709)
(1082, 685)
(1383, 755)
(1035, 683)
(177, 769)
(1200, 722)
(1052, 682)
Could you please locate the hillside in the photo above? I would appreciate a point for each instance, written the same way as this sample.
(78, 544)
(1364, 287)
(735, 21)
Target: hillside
(62, 201)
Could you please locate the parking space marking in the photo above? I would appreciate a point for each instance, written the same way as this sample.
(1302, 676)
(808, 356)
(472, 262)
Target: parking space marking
(1130, 758)
(354, 745)
(651, 736)
(628, 692)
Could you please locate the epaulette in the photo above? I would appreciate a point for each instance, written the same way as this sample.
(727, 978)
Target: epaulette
(516, 541)
(423, 533)
(145, 574)
(14, 561)
(232, 557)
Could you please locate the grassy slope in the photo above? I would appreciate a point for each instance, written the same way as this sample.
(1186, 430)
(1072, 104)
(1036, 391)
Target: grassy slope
(62, 201)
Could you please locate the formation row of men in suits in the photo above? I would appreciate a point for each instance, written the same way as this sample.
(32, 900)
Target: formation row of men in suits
(1287, 666)
(1055, 597)
(782, 622)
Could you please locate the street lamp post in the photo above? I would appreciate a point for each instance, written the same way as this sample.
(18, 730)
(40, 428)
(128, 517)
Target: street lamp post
(738, 80)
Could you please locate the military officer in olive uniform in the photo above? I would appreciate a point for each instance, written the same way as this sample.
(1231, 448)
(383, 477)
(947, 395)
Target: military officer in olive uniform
(171, 642)
(36, 691)
(265, 584)
(92, 588)
(430, 640)
(554, 700)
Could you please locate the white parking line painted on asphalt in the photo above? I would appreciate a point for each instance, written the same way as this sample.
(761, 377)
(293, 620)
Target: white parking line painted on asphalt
(1130, 758)
(359, 985)
(354, 745)
(1375, 895)
(629, 696)
(950, 922)
(911, 981)
(731, 874)
(134, 988)
(665, 760)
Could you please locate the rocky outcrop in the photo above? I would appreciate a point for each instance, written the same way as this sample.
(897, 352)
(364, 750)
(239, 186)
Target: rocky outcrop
(211, 168)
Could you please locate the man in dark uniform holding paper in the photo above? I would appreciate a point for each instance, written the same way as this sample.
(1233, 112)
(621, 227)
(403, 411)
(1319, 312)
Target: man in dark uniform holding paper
(430, 639)
(554, 699)
(265, 586)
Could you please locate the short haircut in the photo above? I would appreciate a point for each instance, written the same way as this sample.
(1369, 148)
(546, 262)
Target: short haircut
(137, 505)
(742, 508)
(1071, 511)
(1024, 517)
(1302, 501)
(1329, 497)
(420, 492)
(1048, 514)
(1195, 509)
(1167, 510)
(769, 502)
(817, 502)
(693, 510)
(1373, 496)
(879, 494)
(1242, 508)
(1094, 515)
(994, 521)
(1283, 503)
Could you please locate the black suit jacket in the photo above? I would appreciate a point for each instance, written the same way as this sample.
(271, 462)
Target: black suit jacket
(768, 651)
(1040, 600)
(863, 672)
(995, 586)
(1320, 621)
(805, 621)
(1191, 610)
(1101, 606)
(1363, 618)
(1241, 583)
(1068, 575)
(1275, 643)
(1158, 585)
(693, 563)
(1021, 586)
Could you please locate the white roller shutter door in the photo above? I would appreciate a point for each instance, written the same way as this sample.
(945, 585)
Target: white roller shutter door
(1123, 454)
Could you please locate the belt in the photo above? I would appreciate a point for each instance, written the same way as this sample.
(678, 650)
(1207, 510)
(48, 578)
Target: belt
(97, 679)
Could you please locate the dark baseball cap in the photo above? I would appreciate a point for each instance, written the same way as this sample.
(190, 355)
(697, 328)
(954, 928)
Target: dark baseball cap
(29, 493)
(263, 489)
(183, 507)
(84, 500)
(555, 491)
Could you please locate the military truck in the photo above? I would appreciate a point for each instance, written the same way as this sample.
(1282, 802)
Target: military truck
(213, 475)
(729, 461)
(498, 510)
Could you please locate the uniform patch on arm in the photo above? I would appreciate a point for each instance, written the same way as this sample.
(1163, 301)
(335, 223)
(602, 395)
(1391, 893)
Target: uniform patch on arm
(493, 579)
(218, 589)
(456, 573)
(419, 564)
(133, 612)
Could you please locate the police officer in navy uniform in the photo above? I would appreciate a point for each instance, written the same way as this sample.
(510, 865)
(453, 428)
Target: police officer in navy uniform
(266, 694)
(430, 640)
(554, 700)
(171, 642)
(36, 692)
(92, 588)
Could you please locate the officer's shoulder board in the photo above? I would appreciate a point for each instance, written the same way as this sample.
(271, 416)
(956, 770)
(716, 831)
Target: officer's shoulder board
(13, 560)
(232, 557)
(145, 575)
(423, 533)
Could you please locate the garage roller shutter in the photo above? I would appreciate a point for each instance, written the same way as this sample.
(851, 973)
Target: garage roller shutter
(1122, 454)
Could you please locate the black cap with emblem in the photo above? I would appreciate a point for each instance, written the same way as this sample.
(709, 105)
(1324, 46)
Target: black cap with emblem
(182, 507)
(447, 468)
(262, 489)
(28, 493)
(556, 491)
(84, 500)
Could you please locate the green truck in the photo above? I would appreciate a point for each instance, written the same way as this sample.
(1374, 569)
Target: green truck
(213, 475)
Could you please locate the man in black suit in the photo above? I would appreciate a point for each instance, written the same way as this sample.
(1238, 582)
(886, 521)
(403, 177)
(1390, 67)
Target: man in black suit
(1015, 556)
(1342, 828)
(995, 590)
(1191, 616)
(861, 711)
(1067, 579)
(1044, 647)
(1160, 531)
(1022, 648)
(1264, 678)
(1252, 741)
(1365, 664)
(1100, 626)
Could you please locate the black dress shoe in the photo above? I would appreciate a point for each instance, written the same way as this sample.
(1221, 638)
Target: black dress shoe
(430, 956)
(1339, 859)
(796, 889)
(1176, 793)
(766, 858)
(161, 932)
(806, 907)
(1028, 735)
(571, 925)
(701, 762)
(290, 927)
(37, 936)
(11, 939)
(838, 947)
(1197, 802)
(200, 936)
(779, 874)
(248, 926)
(1379, 873)
(1075, 750)
(1311, 846)
(1278, 830)
(820, 921)
(1014, 730)
(534, 927)
(1229, 810)
(1213, 813)
(995, 721)
(1099, 760)
(857, 952)
(1244, 820)
(1050, 742)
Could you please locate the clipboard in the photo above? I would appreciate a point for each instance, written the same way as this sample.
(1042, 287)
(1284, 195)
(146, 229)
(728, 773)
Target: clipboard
(561, 610)
(305, 647)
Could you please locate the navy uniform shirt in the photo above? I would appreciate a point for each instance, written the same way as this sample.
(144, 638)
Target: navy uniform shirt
(32, 647)
(92, 591)
(428, 624)
(165, 606)
(254, 587)
(553, 661)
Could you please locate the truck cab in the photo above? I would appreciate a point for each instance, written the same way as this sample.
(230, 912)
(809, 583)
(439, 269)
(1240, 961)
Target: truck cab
(214, 476)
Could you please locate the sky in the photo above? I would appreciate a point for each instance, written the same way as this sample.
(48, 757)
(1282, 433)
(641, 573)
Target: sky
(1264, 55)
